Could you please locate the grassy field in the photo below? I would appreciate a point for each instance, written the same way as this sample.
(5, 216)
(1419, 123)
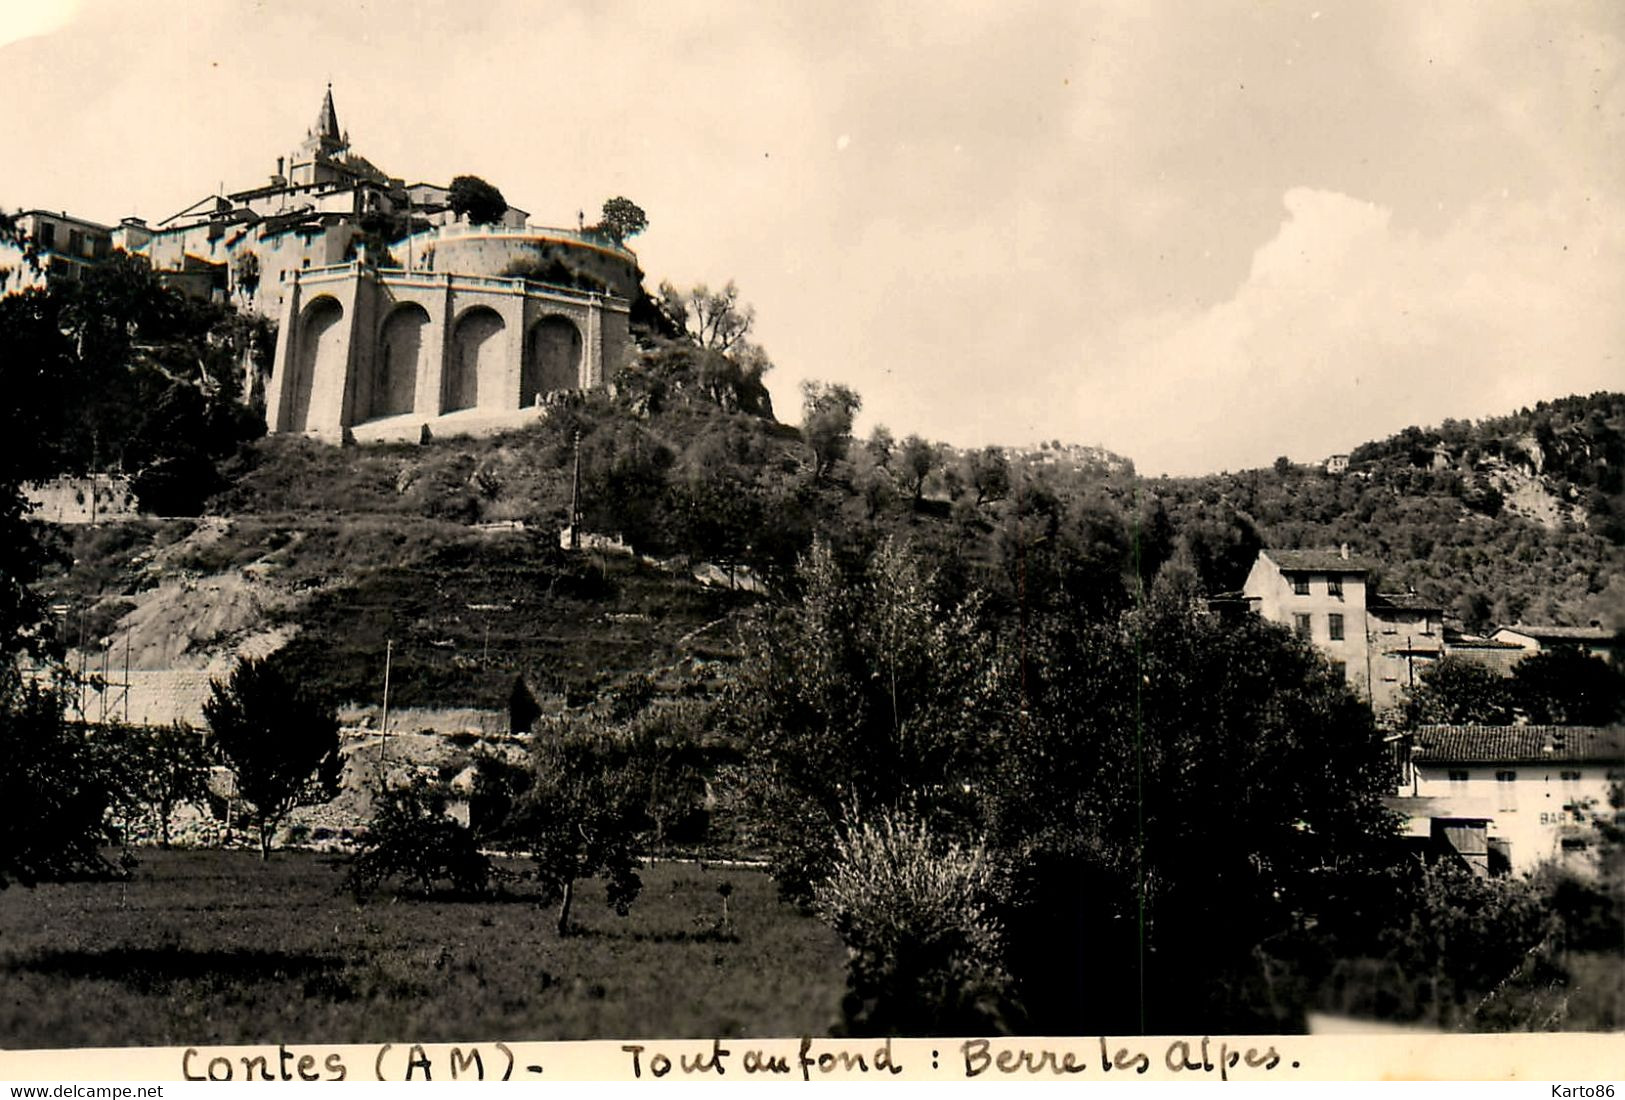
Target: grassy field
(214, 947)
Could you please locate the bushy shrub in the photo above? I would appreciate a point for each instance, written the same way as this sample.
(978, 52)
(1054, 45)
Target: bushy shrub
(924, 949)
(411, 841)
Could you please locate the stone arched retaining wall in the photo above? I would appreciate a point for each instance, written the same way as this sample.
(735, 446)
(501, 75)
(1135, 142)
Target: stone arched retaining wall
(368, 353)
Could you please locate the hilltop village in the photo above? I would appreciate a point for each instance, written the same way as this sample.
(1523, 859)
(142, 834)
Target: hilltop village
(398, 316)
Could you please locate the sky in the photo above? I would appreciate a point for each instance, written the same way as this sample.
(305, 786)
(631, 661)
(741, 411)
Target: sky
(1201, 234)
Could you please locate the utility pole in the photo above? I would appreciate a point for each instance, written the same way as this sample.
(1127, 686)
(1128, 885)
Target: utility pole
(383, 739)
(81, 685)
(575, 497)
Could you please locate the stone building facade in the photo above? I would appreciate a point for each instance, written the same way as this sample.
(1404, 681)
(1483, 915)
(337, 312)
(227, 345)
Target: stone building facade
(1380, 641)
(1322, 596)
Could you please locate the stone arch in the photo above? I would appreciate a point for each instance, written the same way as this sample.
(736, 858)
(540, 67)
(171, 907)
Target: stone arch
(399, 361)
(552, 358)
(320, 352)
(475, 360)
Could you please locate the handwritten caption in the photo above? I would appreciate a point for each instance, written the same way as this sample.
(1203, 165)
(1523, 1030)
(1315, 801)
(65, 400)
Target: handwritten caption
(807, 1060)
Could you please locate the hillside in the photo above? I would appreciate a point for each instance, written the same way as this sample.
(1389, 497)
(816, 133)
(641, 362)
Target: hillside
(450, 550)
(1513, 518)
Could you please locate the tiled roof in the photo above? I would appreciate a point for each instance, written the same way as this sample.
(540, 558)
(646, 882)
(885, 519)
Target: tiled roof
(1520, 744)
(1315, 561)
(1565, 633)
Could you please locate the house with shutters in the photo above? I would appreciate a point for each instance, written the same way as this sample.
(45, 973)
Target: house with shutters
(1508, 798)
(1380, 641)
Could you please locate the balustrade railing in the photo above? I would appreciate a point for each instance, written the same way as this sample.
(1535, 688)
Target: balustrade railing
(513, 284)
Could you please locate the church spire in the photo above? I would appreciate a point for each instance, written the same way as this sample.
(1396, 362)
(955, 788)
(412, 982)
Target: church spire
(327, 122)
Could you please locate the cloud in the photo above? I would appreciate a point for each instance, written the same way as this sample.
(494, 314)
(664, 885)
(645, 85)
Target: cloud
(1036, 199)
(1346, 328)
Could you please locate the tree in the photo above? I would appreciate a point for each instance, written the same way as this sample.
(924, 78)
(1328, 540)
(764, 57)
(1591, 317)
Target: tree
(988, 472)
(13, 238)
(872, 482)
(881, 445)
(623, 218)
(246, 273)
(715, 320)
(586, 813)
(22, 558)
(671, 765)
(868, 695)
(159, 769)
(40, 373)
(1457, 691)
(915, 461)
(55, 788)
(1127, 743)
(718, 354)
(827, 410)
(281, 746)
(1568, 687)
(480, 202)
(1438, 944)
(112, 368)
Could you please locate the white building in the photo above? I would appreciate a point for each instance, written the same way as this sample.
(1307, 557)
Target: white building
(1595, 639)
(1528, 792)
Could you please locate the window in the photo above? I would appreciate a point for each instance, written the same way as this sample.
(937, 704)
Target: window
(76, 242)
(1300, 585)
(47, 235)
(1300, 623)
(1341, 668)
(1571, 794)
(1458, 781)
(1334, 587)
(1506, 784)
(1334, 625)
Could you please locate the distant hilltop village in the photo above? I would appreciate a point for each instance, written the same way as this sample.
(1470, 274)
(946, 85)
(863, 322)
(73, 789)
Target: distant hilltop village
(399, 318)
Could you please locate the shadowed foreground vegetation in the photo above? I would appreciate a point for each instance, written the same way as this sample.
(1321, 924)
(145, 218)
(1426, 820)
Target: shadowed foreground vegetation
(215, 947)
